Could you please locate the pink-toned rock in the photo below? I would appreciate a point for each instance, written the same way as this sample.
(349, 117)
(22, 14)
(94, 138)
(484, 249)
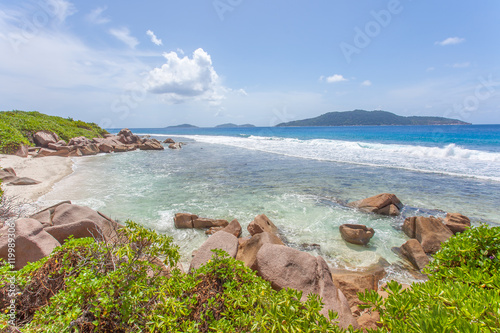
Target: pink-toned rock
(175, 145)
(79, 141)
(260, 224)
(43, 138)
(169, 140)
(353, 282)
(356, 233)
(286, 267)
(29, 241)
(184, 220)
(67, 213)
(90, 149)
(50, 152)
(79, 229)
(213, 230)
(23, 181)
(383, 204)
(105, 147)
(220, 240)
(75, 153)
(247, 252)
(7, 174)
(457, 222)
(120, 149)
(429, 231)
(22, 151)
(45, 216)
(202, 223)
(414, 252)
(151, 144)
(234, 228)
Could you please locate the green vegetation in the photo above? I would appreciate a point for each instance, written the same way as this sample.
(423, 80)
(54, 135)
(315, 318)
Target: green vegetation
(18, 127)
(369, 118)
(87, 286)
(462, 294)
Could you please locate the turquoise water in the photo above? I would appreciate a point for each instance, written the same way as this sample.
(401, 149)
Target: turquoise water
(299, 178)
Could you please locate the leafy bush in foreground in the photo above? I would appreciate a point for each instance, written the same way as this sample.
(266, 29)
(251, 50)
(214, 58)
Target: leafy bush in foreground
(18, 127)
(85, 286)
(461, 295)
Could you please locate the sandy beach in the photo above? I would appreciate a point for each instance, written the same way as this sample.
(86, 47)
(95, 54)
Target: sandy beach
(47, 170)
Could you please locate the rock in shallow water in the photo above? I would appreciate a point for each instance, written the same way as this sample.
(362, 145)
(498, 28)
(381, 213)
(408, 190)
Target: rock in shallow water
(356, 233)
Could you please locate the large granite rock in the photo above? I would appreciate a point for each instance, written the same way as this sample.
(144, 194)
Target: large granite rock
(79, 141)
(79, 229)
(184, 220)
(234, 228)
(220, 240)
(457, 222)
(7, 175)
(23, 181)
(203, 223)
(429, 231)
(353, 282)
(260, 224)
(414, 252)
(383, 204)
(356, 233)
(67, 214)
(90, 149)
(286, 267)
(175, 145)
(22, 151)
(247, 252)
(151, 144)
(45, 216)
(31, 242)
(43, 138)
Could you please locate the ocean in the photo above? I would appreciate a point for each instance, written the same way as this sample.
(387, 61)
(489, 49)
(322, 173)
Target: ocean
(301, 178)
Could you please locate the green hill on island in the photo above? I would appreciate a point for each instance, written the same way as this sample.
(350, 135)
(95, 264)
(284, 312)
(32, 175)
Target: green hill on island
(231, 125)
(18, 127)
(370, 118)
(183, 126)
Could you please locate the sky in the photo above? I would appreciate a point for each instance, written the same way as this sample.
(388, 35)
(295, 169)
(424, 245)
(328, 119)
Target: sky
(208, 62)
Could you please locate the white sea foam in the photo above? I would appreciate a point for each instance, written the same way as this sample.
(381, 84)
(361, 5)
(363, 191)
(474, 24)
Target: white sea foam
(451, 159)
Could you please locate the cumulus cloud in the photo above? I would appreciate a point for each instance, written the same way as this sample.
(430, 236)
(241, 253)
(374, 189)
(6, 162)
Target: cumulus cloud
(334, 78)
(154, 39)
(123, 34)
(95, 16)
(450, 41)
(183, 79)
(461, 65)
(366, 83)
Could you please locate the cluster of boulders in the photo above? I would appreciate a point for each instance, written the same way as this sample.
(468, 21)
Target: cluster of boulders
(8, 176)
(428, 233)
(283, 266)
(49, 144)
(172, 144)
(37, 236)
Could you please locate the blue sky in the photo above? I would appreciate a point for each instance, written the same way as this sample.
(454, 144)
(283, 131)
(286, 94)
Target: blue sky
(160, 63)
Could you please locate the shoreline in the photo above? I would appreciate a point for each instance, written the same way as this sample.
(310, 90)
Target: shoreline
(48, 170)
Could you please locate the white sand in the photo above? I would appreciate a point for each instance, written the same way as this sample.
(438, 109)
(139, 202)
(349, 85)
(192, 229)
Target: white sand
(48, 170)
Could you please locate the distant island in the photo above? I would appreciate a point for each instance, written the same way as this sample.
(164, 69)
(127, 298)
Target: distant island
(231, 125)
(182, 126)
(370, 118)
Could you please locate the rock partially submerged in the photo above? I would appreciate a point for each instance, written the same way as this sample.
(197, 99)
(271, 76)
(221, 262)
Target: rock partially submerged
(356, 233)
(456, 222)
(429, 231)
(414, 252)
(383, 204)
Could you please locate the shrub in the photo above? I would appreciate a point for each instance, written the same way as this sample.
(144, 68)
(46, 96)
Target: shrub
(87, 286)
(461, 295)
(18, 127)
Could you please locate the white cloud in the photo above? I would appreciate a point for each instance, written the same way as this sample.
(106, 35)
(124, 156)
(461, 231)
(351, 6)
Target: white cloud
(450, 41)
(183, 79)
(334, 78)
(461, 65)
(154, 39)
(123, 34)
(61, 9)
(96, 17)
(366, 83)
(430, 69)
(180, 51)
